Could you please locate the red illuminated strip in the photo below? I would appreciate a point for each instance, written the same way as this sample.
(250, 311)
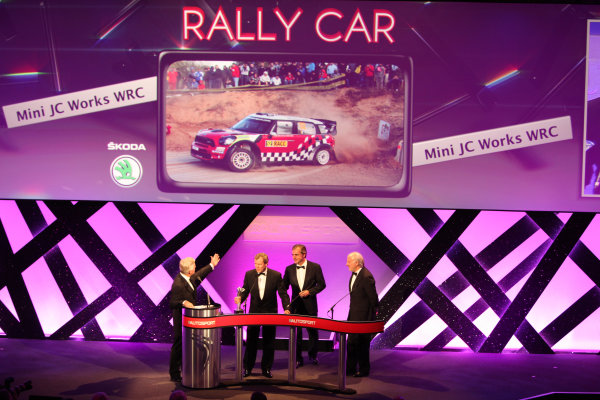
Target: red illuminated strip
(284, 320)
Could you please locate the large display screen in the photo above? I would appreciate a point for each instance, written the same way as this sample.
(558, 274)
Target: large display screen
(364, 103)
(299, 123)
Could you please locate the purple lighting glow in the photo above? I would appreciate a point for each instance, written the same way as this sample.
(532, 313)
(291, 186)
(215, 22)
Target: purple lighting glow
(328, 240)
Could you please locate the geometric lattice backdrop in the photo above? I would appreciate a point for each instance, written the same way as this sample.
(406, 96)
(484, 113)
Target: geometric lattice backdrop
(487, 281)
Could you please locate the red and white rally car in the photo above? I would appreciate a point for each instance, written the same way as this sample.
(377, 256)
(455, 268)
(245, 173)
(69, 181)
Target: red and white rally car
(268, 138)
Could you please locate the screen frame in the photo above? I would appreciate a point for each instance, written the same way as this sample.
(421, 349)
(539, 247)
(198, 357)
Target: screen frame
(167, 184)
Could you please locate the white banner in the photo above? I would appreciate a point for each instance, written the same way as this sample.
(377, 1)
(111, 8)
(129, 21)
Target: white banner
(492, 141)
(79, 103)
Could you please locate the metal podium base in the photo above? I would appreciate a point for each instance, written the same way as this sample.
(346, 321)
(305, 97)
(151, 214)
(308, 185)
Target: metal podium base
(201, 348)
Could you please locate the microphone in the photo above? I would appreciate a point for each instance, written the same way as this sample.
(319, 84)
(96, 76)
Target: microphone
(292, 302)
(200, 284)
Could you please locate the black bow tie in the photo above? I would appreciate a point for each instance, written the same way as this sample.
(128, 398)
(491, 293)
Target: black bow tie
(299, 266)
(262, 273)
(355, 273)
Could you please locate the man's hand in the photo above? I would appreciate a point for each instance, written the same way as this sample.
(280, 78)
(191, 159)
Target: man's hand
(287, 312)
(304, 293)
(237, 300)
(187, 304)
(214, 260)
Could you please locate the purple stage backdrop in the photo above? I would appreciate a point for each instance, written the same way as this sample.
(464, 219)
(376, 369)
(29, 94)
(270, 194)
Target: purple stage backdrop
(424, 113)
(485, 281)
(452, 105)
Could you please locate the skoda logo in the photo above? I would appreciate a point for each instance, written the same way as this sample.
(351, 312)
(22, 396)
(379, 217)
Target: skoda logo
(126, 171)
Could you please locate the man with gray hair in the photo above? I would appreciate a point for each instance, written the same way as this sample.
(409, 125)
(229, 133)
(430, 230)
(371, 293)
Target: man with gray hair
(363, 307)
(183, 294)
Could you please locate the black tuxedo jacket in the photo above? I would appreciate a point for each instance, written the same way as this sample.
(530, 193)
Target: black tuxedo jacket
(273, 287)
(363, 297)
(181, 291)
(313, 282)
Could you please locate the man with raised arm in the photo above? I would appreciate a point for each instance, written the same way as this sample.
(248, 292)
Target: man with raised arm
(183, 294)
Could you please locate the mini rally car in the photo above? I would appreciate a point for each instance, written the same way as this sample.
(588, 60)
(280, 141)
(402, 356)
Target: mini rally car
(268, 138)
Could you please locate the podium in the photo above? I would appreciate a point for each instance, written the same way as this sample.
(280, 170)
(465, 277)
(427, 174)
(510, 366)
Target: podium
(293, 321)
(201, 348)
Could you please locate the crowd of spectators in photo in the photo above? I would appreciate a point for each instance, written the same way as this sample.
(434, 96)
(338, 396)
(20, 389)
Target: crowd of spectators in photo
(191, 77)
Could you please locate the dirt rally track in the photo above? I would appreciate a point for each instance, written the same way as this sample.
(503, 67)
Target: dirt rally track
(362, 160)
(182, 167)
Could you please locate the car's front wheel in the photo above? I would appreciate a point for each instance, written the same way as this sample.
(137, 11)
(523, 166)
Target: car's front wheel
(322, 156)
(240, 160)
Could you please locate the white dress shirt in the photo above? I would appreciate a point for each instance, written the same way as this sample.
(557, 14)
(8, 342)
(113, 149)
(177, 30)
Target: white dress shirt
(262, 282)
(301, 274)
(354, 278)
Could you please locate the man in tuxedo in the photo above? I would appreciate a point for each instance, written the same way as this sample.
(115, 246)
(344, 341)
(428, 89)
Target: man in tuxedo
(306, 279)
(263, 285)
(363, 307)
(183, 294)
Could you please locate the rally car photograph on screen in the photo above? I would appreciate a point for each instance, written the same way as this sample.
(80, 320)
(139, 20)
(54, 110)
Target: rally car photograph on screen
(264, 138)
(320, 125)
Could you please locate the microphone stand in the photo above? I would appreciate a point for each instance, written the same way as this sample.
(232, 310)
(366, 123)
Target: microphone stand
(336, 303)
(249, 294)
(207, 295)
(331, 310)
(292, 302)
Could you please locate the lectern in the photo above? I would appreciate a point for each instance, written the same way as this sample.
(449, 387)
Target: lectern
(201, 348)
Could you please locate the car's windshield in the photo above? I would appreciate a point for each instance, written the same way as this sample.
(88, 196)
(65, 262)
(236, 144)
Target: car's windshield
(253, 125)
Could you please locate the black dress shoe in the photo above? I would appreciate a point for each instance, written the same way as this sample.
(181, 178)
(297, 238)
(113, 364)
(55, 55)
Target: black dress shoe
(247, 373)
(176, 378)
(314, 360)
(360, 374)
(267, 373)
(350, 373)
(299, 363)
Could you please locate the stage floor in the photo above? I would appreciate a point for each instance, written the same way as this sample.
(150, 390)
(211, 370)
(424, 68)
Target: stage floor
(77, 369)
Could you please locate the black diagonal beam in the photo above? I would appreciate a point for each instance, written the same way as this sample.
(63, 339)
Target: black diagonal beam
(10, 275)
(495, 297)
(417, 315)
(572, 316)
(59, 269)
(373, 238)
(89, 313)
(166, 252)
(587, 262)
(477, 277)
(418, 270)
(450, 314)
(581, 255)
(220, 243)
(537, 282)
(427, 259)
(9, 324)
(55, 232)
(507, 242)
(150, 235)
(480, 306)
(157, 258)
(104, 259)
(226, 237)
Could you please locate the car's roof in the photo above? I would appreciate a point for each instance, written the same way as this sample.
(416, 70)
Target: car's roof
(278, 117)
